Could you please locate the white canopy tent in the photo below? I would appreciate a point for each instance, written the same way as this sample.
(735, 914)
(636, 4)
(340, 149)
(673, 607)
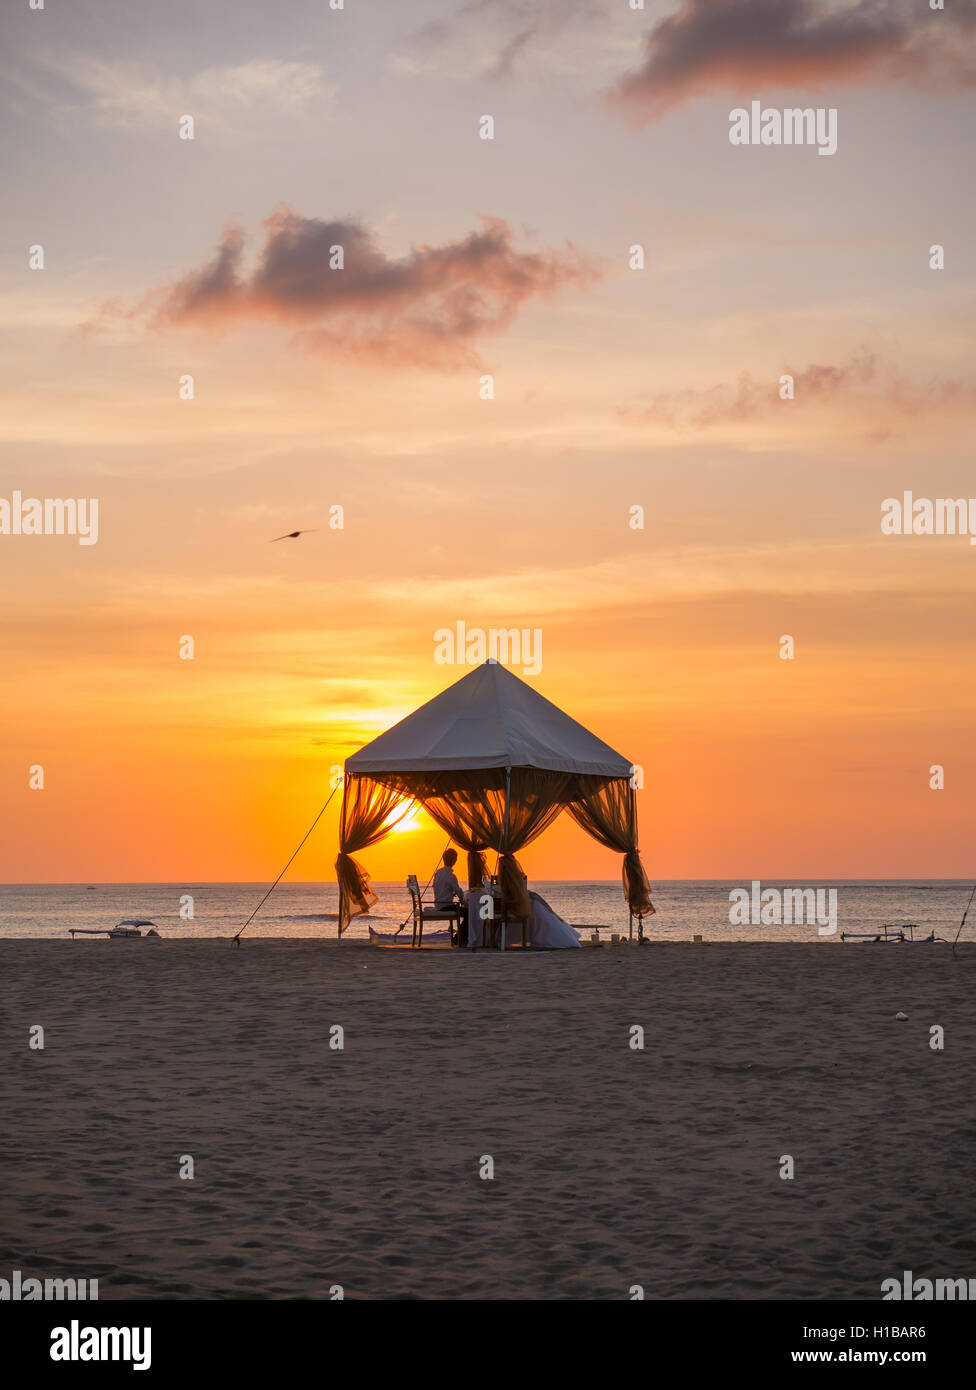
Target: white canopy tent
(493, 762)
(489, 718)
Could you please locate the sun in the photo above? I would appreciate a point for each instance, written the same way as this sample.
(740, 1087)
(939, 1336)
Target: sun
(409, 821)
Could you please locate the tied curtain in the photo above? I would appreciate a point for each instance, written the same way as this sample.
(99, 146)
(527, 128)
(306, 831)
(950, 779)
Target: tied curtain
(607, 810)
(536, 799)
(369, 811)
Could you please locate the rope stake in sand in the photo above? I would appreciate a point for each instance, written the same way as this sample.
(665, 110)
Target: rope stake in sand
(237, 938)
(964, 916)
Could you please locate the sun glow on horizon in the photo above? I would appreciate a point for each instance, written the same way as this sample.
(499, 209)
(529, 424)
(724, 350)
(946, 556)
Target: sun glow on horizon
(404, 818)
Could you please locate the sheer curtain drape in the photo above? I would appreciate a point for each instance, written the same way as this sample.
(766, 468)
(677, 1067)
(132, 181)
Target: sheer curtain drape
(469, 805)
(369, 811)
(607, 810)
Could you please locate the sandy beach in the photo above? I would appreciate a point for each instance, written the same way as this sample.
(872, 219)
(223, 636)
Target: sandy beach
(316, 1167)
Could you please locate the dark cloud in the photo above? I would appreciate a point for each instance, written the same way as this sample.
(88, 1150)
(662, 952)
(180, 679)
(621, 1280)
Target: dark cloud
(739, 45)
(428, 307)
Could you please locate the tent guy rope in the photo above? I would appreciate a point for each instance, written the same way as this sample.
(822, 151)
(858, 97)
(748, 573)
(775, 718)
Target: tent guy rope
(237, 938)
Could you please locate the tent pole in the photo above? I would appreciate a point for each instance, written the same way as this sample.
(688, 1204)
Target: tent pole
(508, 792)
(342, 836)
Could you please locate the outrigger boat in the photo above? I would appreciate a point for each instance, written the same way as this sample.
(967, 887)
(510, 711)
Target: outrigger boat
(892, 932)
(130, 926)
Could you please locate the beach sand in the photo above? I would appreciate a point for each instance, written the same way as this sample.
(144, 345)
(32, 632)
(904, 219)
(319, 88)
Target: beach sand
(612, 1167)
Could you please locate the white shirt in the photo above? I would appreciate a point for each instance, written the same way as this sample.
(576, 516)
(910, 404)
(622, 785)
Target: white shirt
(447, 890)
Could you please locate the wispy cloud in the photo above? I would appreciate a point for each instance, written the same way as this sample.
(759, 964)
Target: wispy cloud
(863, 378)
(223, 100)
(734, 45)
(427, 308)
(502, 39)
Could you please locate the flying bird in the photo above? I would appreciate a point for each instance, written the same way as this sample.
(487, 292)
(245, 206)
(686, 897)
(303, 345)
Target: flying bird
(291, 536)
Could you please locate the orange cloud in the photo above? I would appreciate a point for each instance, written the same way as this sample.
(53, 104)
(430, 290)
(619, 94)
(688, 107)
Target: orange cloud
(861, 377)
(738, 45)
(426, 308)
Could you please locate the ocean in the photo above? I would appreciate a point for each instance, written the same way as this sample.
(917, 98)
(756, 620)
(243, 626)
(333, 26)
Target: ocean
(684, 908)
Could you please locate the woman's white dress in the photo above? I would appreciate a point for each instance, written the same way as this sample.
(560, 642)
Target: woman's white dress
(546, 928)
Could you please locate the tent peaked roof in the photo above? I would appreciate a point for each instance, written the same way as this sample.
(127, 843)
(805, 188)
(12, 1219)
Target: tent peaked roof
(489, 718)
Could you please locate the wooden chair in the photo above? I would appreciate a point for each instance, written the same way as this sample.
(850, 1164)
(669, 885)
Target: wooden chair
(491, 929)
(524, 923)
(422, 913)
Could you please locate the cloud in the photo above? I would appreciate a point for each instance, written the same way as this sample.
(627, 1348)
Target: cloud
(498, 39)
(862, 379)
(223, 99)
(426, 308)
(738, 45)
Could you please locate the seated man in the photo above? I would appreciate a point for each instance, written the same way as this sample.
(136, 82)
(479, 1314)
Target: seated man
(447, 892)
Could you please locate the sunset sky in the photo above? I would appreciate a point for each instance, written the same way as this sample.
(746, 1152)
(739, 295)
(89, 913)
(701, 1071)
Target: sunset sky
(361, 388)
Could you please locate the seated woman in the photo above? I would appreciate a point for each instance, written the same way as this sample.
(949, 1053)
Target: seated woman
(546, 928)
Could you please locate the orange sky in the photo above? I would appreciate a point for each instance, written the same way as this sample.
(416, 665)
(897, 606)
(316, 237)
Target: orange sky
(613, 388)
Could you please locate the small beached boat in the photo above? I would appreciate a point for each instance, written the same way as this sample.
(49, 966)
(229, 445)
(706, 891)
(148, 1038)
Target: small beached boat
(892, 932)
(130, 926)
